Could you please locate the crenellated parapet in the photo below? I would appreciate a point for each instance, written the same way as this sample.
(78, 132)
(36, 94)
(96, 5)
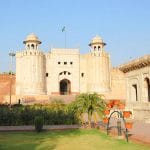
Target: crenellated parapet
(33, 53)
(135, 64)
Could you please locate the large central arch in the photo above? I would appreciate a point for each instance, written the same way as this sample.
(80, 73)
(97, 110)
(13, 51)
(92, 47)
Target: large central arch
(65, 87)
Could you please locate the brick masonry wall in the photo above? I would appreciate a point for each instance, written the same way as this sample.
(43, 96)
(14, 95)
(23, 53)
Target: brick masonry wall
(5, 85)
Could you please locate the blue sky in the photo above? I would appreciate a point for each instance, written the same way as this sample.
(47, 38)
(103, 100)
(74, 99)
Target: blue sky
(123, 24)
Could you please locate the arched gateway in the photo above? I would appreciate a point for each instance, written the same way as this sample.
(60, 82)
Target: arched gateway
(65, 87)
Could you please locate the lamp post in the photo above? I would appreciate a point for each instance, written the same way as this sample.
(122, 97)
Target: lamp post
(11, 54)
(117, 107)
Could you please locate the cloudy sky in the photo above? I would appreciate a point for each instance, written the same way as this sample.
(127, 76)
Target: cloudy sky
(123, 24)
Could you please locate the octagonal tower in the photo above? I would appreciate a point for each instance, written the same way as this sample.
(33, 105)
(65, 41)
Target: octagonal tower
(99, 62)
(30, 68)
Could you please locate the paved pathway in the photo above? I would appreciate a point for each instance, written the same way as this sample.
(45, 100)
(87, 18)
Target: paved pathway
(31, 128)
(141, 131)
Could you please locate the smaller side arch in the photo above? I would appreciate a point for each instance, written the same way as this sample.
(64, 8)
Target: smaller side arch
(147, 89)
(134, 90)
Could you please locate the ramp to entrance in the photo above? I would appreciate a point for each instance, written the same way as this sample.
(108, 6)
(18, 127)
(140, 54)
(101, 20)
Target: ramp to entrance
(65, 98)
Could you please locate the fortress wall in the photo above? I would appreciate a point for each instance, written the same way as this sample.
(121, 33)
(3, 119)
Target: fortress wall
(118, 85)
(5, 86)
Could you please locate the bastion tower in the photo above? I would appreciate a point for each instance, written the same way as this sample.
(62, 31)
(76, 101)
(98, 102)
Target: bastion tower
(30, 68)
(99, 67)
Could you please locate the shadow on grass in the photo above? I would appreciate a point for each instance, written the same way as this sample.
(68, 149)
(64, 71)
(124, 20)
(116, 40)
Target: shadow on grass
(75, 139)
(33, 140)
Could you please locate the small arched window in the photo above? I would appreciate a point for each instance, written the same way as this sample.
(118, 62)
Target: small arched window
(94, 48)
(46, 74)
(28, 46)
(65, 73)
(99, 48)
(82, 75)
(32, 46)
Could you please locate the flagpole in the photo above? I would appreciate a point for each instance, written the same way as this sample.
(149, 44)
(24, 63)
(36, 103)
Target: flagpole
(65, 39)
(64, 30)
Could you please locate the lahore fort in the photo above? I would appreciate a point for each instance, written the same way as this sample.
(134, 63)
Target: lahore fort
(63, 73)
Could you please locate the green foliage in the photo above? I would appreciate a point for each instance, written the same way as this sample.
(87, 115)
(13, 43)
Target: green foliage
(66, 139)
(38, 122)
(89, 103)
(53, 114)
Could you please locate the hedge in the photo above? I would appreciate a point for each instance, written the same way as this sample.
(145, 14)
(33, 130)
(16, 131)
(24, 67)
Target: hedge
(25, 115)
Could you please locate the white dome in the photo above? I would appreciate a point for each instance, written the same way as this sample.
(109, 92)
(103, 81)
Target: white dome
(32, 38)
(97, 40)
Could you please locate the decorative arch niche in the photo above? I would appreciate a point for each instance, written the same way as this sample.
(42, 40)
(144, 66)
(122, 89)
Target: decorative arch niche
(134, 88)
(147, 89)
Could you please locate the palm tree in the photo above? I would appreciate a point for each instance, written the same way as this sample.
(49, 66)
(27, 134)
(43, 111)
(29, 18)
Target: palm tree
(89, 103)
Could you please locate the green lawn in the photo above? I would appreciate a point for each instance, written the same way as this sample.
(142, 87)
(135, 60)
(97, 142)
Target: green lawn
(64, 140)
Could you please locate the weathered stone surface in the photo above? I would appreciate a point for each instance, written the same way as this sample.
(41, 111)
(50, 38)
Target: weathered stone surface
(137, 76)
(62, 71)
(5, 86)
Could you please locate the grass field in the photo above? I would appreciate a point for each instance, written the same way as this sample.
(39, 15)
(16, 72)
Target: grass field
(65, 140)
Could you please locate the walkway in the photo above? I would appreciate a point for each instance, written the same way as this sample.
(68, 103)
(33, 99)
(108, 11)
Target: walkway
(32, 128)
(141, 132)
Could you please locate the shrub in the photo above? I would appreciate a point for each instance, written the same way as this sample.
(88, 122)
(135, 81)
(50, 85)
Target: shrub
(25, 115)
(38, 122)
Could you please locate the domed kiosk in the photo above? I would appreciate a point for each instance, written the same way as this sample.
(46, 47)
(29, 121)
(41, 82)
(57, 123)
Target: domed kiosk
(32, 42)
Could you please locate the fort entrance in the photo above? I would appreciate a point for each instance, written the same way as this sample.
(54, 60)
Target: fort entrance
(65, 87)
